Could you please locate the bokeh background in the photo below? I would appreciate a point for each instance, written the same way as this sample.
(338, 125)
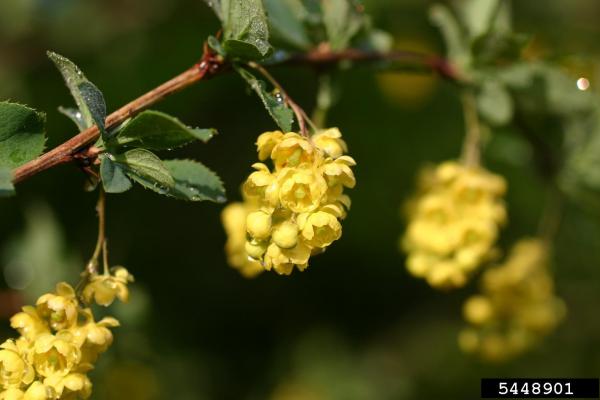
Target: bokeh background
(355, 325)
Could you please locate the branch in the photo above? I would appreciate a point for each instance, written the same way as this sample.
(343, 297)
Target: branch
(410, 59)
(212, 65)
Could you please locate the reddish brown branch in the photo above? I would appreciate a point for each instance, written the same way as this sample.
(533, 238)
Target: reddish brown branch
(209, 66)
(319, 57)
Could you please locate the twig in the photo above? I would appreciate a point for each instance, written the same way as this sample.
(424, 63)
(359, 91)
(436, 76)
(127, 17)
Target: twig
(92, 266)
(212, 65)
(414, 60)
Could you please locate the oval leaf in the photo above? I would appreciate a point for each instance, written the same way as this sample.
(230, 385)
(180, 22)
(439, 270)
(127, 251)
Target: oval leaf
(157, 131)
(194, 182)
(283, 115)
(245, 29)
(147, 169)
(88, 97)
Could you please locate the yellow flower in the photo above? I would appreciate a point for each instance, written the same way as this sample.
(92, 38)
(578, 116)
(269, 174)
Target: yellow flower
(92, 337)
(55, 354)
(258, 181)
(285, 235)
(60, 308)
(14, 368)
(258, 225)
(283, 261)
(29, 323)
(105, 288)
(12, 394)
(301, 190)
(266, 142)
(292, 151)
(39, 391)
(339, 172)
(320, 229)
(71, 387)
(255, 249)
(234, 221)
(331, 142)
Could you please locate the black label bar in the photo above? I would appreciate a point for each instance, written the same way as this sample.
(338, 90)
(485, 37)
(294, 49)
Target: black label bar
(540, 388)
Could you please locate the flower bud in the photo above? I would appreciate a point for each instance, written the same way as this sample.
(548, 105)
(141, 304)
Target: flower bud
(255, 249)
(286, 235)
(258, 225)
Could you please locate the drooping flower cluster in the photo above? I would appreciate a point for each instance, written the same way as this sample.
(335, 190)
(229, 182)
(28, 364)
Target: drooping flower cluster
(454, 221)
(60, 342)
(517, 306)
(295, 209)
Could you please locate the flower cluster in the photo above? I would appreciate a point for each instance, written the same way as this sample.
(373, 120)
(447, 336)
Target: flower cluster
(517, 306)
(294, 210)
(60, 342)
(454, 221)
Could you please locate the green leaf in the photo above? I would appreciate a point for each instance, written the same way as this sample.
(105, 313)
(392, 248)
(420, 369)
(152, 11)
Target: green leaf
(283, 115)
(494, 103)
(22, 135)
(286, 19)
(147, 169)
(483, 16)
(455, 39)
(157, 131)
(6, 186)
(113, 176)
(342, 22)
(194, 182)
(88, 97)
(245, 29)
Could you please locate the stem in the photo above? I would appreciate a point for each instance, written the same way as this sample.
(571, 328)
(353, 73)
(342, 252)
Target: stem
(300, 114)
(92, 266)
(101, 210)
(212, 65)
(105, 257)
(471, 152)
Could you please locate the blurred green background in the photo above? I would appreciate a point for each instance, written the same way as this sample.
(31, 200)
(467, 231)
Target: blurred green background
(355, 325)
